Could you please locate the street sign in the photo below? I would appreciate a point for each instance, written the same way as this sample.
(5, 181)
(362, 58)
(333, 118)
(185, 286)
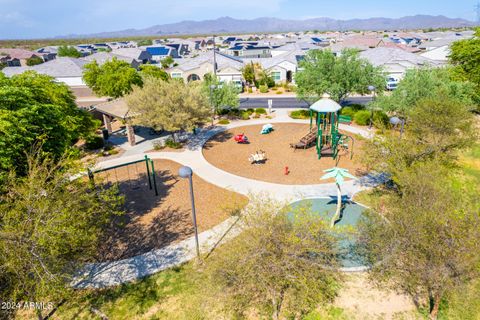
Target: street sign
(270, 103)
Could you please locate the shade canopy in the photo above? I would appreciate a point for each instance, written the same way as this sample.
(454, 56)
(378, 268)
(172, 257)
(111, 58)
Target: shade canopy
(325, 105)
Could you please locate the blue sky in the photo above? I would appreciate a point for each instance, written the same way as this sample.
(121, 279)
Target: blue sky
(48, 18)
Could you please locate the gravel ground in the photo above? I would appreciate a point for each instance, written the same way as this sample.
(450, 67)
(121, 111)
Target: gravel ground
(304, 167)
(151, 221)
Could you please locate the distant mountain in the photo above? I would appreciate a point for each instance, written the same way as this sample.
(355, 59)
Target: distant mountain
(231, 25)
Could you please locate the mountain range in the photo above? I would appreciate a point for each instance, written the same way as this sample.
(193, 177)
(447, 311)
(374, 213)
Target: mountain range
(230, 25)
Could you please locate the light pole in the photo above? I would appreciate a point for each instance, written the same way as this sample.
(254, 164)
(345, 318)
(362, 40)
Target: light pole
(186, 172)
(212, 88)
(214, 59)
(372, 90)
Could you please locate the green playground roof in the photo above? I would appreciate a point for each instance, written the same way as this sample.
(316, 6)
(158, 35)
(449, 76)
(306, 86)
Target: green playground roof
(325, 104)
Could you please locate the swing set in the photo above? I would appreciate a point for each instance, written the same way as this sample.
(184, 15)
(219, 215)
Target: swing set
(150, 173)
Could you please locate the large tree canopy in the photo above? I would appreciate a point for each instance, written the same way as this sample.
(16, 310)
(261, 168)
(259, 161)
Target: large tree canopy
(465, 56)
(49, 227)
(114, 78)
(169, 105)
(338, 75)
(35, 109)
(221, 95)
(426, 83)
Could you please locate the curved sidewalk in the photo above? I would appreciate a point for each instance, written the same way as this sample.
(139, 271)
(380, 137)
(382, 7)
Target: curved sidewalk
(105, 274)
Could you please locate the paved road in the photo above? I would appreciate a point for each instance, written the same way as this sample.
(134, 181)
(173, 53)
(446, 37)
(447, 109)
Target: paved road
(281, 103)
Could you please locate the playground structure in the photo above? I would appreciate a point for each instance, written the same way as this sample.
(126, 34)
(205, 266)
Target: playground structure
(241, 138)
(258, 157)
(324, 131)
(266, 129)
(150, 174)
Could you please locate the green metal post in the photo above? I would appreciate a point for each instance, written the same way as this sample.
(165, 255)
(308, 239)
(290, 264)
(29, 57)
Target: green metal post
(311, 116)
(153, 177)
(319, 137)
(148, 173)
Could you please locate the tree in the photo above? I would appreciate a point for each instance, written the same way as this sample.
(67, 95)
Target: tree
(281, 264)
(36, 109)
(424, 239)
(426, 83)
(167, 62)
(171, 105)
(438, 128)
(341, 75)
(221, 95)
(33, 61)
(339, 174)
(465, 57)
(144, 42)
(148, 70)
(49, 227)
(248, 73)
(114, 78)
(68, 51)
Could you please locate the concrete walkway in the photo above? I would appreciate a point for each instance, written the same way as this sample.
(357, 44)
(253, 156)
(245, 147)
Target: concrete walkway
(99, 275)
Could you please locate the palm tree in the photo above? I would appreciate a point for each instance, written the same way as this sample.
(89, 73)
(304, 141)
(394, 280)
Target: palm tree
(339, 174)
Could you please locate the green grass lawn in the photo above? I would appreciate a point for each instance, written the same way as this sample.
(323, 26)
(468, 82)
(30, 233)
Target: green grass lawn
(164, 295)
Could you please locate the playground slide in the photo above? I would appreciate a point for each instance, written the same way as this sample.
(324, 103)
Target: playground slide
(306, 141)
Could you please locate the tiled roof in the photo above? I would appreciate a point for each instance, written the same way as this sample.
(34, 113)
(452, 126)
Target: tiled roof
(18, 53)
(102, 57)
(382, 55)
(57, 68)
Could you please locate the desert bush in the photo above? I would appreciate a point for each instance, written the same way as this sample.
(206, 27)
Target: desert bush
(362, 117)
(260, 111)
(263, 88)
(300, 114)
(224, 121)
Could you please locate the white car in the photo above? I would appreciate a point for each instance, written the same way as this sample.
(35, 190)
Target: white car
(392, 83)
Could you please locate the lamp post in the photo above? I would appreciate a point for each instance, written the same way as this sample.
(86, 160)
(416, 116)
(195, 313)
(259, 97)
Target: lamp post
(212, 88)
(214, 58)
(372, 90)
(186, 172)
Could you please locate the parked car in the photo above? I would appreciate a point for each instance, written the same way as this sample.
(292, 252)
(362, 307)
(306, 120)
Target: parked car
(392, 83)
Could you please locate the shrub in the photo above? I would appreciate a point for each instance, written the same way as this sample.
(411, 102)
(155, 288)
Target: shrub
(34, 61)
(223, 111)
(245, 115)
(158, 145)
(172, 144)
(250, 110)
(279, 92)
(348, 111)
(380, 118)
(94, 143)
(234, 112)
(250, 90)
(223, 121)
(263, 88)
(260, 111)
(362, 117)
(300, 114)
(256, 116)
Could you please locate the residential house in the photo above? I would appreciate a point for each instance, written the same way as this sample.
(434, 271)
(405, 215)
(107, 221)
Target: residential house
(191, 69)
(16, 57)
(161, 52)
(63, 69)
(139, 54)
(181, 48)
(249, 50)
(395, 61)
(282, 67)
(102, 57)
(48, 53)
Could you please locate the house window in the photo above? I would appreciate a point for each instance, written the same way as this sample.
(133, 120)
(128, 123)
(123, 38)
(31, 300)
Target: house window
(276, 76)
(176, 75)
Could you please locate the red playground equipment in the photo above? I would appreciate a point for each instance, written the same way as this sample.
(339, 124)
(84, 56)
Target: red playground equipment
(241, 138)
